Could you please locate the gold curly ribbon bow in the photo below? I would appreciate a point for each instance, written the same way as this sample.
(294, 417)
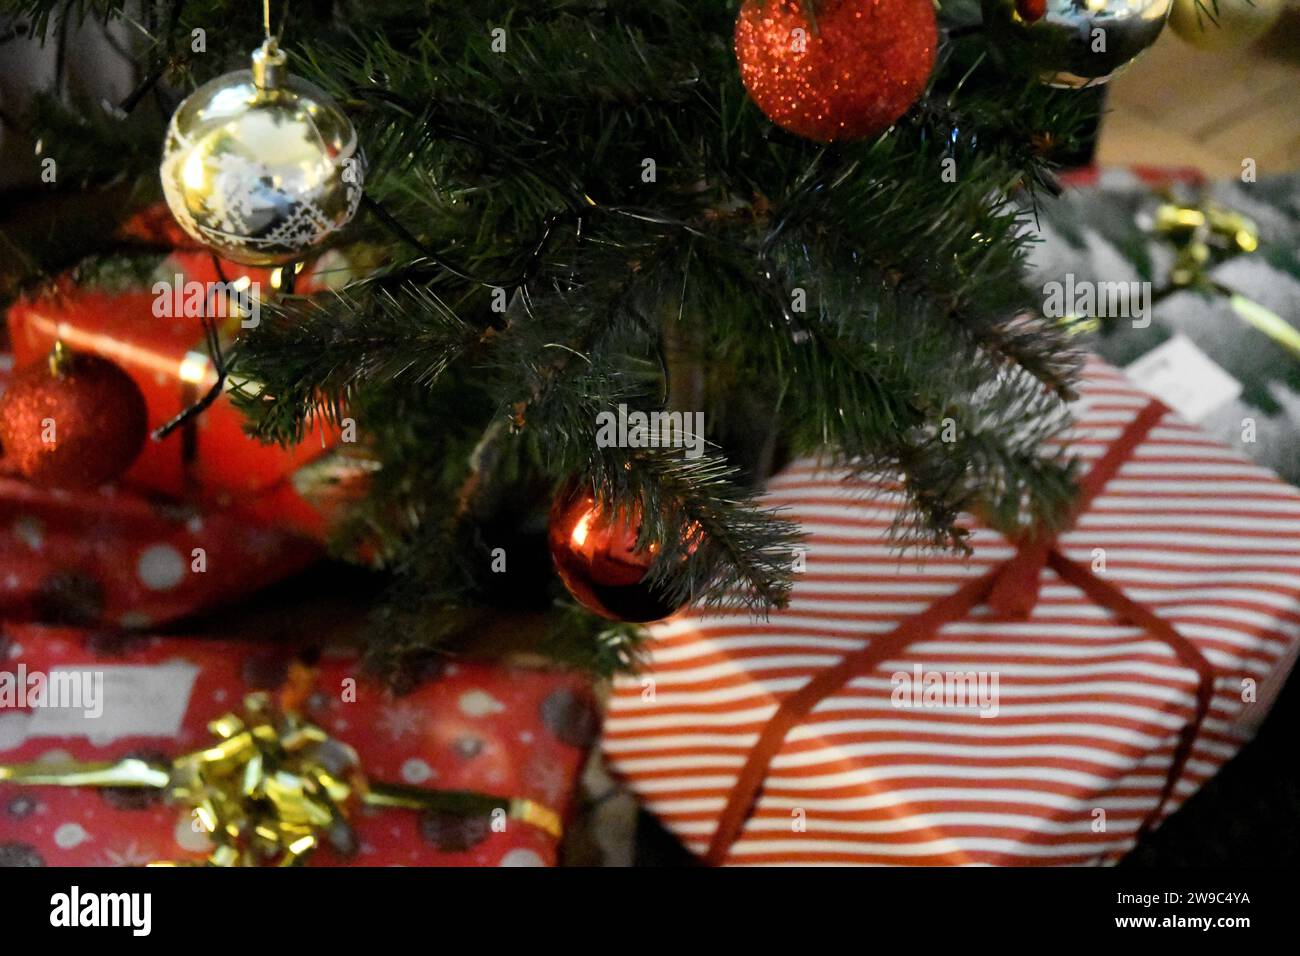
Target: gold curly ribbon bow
(1197, 231)
(272, 787)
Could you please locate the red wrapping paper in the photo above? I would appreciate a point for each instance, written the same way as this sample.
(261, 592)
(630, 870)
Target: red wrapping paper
(304, 489)
(113, 558)
(492, 729)
(167, 358)
(314, 501)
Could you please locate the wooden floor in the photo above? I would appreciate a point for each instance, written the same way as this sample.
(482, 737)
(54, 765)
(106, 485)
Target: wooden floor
(1182, 106)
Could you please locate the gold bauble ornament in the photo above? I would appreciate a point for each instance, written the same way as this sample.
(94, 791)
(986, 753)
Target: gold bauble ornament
(261, 166)
(1237, 22)
(1075, 43)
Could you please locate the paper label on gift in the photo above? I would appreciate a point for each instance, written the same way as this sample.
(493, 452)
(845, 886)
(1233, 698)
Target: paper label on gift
(1184, 378)
(117, 701)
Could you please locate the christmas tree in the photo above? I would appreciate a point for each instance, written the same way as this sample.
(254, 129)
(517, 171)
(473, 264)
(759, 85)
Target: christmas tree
(588, 213)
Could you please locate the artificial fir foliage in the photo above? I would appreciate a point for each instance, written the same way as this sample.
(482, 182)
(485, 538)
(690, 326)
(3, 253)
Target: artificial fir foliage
(578, 208)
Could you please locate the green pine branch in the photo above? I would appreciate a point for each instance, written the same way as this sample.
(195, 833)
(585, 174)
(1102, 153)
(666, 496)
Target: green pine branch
(555, 211)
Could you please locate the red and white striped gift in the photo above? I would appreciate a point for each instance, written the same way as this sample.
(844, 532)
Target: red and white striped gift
(1162, 618)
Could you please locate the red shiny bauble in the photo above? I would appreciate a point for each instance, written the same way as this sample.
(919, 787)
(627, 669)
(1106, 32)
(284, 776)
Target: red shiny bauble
(76, 421)
(852, 74)
(1031, 10)
(595, 554)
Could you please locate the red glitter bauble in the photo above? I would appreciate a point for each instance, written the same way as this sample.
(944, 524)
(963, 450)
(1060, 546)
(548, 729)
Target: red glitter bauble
(76, 421)
(596, 557)
(851, 75)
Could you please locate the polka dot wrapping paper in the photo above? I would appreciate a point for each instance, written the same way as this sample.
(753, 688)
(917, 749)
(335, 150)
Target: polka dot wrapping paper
(492, 729)
(112, 558)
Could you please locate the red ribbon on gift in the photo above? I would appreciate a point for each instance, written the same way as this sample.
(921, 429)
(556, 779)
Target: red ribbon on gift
(1010, 590)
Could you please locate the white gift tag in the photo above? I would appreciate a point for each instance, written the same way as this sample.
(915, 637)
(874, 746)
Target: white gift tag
(1184, 378)
(119, 701)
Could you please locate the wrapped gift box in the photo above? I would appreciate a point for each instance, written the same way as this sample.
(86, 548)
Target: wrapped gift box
(316, 500)
(504, 731)
(1043, 702)
(108, 307)
(112, 558)
(1204, 348)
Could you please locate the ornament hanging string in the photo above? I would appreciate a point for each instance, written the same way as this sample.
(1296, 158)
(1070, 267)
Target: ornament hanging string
(278, 35)
(288, 275)
(212, 339)
(163, 62)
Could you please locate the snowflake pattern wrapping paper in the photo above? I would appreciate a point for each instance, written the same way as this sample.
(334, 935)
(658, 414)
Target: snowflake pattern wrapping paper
(491, 729)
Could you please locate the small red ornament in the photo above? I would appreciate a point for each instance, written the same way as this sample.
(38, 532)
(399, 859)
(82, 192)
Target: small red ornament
(852, 74)
(76, 421)
(596, 557)
(1031, 10)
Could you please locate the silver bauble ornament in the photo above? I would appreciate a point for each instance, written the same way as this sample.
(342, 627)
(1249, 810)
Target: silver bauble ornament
(1074, 43)
(1237, 22)
(261, 166)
